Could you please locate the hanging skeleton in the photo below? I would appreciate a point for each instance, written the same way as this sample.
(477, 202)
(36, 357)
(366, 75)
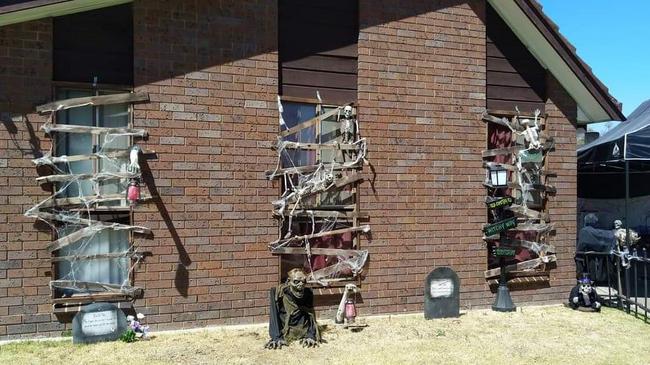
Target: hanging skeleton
(347, 125)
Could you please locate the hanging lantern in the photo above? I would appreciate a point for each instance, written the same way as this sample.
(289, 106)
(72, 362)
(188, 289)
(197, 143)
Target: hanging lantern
(133, 191)
(498, 177)
(350, 311)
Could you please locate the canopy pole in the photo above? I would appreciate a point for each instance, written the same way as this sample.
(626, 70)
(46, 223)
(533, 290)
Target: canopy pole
(627, 202)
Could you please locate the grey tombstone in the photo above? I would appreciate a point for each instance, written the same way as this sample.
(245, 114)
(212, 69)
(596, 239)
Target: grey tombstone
(442, 294)
(98, 322)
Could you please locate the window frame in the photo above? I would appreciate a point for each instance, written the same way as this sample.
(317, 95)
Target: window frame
(100, 213)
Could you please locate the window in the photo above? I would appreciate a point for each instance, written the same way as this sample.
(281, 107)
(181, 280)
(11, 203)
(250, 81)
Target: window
(108, 249)
(69, 144)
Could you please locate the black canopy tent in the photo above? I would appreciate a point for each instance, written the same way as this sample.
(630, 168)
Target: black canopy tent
(617, 165)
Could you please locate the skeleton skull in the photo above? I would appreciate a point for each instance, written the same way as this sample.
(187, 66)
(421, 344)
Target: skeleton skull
(297, 280)
(618, 224)
(347, 111)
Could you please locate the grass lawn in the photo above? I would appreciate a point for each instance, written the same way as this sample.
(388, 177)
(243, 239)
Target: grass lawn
(532, 335)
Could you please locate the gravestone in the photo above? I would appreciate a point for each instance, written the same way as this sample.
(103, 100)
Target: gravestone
(442, 294)
(98, 322)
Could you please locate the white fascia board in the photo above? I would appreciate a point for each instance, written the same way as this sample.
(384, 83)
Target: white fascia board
(64, 8)
(542, 50)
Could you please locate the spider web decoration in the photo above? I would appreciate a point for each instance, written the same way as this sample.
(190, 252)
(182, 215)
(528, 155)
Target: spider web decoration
(83, 243)
(312, 221)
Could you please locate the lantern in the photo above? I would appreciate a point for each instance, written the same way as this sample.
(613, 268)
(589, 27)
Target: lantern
(498, 177)
(350, 311)
(133, 191)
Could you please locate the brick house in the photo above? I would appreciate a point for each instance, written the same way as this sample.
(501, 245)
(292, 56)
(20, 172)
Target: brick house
(420, 74)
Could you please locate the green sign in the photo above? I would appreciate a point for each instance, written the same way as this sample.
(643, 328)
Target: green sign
(504, 251)
(500, 226)
(493, 203)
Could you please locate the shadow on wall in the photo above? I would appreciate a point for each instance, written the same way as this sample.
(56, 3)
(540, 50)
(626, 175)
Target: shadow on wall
(181, 279)
(176, 38)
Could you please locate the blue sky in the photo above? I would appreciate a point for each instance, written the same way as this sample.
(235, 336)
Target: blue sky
(613, 37)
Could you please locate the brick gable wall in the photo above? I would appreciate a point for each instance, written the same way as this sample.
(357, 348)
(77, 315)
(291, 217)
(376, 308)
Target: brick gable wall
(211, 70)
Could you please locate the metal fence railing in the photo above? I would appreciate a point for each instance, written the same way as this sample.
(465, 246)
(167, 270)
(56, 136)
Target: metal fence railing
(621, 278)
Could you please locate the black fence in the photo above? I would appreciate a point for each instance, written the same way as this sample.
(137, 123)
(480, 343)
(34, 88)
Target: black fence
(621, 278)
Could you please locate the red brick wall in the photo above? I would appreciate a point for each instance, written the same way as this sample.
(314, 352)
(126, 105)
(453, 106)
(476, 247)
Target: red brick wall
(25, 74)
(421, 93)
(211, 70)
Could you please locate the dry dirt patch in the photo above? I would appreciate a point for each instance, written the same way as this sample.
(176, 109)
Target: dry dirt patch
(534, 335)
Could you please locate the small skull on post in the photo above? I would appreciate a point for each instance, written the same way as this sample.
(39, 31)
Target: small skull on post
(347, 125)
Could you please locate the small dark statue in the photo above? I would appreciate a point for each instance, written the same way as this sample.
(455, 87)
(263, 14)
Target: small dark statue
(584, 295)
(292, 315)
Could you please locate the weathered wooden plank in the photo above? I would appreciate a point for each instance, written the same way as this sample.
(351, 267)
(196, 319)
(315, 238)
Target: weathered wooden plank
(102, 176)
(315, 251)
(92, 286)
(102, 256)
(326, 214)
(311, 168)
(312, 121)
(537, 277)
(364, 228)
(70, 128)
(74, 237)
(323, 63)
(521, 211)
(547, 145)
(91, 199)
(88, 222)
(525, 265)
(531, 245)
(329, 95)
(91, 298)
(317, 146)
(51, 160)
(93, 100)
(504, 122)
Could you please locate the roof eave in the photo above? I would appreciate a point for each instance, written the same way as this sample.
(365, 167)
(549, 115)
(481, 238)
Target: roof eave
(39, 9)
(553, 51)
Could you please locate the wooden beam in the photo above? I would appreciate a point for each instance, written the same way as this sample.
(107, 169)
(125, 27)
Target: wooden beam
(73, 237)
(536, 247)
(101, 256)
(51, 160)
(70, 128)
(525, 265)
(315, 251)
(546, 146)
(504, 122)
(97, 287)
(311, 168)
(92, 100)
(96, 177)
(317, 146)
(88, 222)
(91, 298)
(91, 199)
(364, 228)
(326, 214)
(312, 121)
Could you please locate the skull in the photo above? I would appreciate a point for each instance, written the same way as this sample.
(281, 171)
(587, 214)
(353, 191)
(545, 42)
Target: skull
(297, 280)
(347, 111)
(618, 224)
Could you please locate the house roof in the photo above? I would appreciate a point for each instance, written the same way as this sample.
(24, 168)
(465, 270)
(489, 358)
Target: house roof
(543, 38)
(18, 11)
(525, 17)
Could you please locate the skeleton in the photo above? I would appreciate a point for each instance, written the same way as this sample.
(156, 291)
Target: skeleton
(621, 234)
(319, 181)
(347, 125)
(584, 295)
(292, 316)
(531, 133)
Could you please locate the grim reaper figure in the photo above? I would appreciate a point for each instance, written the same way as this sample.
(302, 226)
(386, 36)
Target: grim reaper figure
(292, 315)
